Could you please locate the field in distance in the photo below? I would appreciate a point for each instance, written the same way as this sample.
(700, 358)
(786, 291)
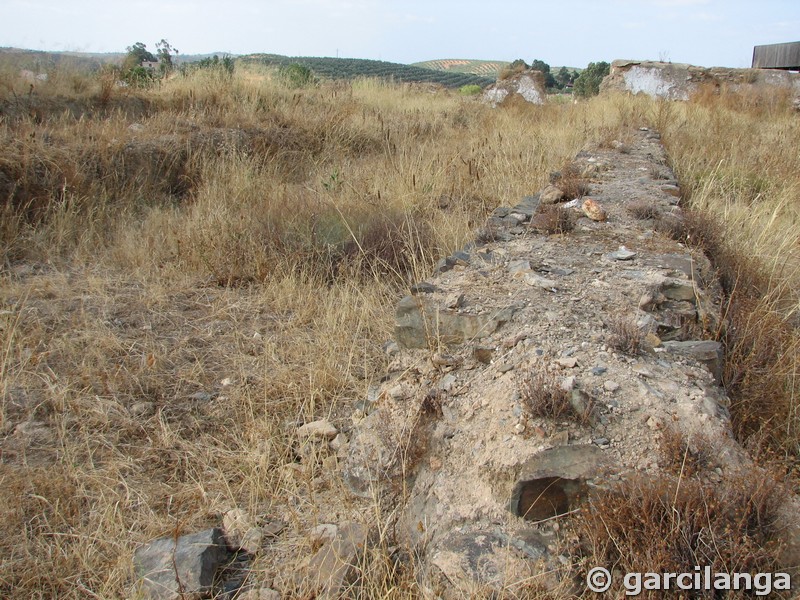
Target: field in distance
(484, 68)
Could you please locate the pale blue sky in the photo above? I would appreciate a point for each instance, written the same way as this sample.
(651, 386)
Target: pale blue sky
(565, 32)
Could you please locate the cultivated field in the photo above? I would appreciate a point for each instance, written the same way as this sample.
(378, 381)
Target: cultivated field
(484, 68)
(191, 271)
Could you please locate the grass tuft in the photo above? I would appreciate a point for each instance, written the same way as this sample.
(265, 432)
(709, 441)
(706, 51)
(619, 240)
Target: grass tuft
(625, 336)
(553, 219)
(543, 397)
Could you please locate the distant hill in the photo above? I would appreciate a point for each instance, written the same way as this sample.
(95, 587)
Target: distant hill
(483, 68)
(40, 61)
(351, 68)
(323, 67)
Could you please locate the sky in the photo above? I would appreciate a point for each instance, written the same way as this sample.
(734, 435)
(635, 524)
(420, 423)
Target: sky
(561, 33)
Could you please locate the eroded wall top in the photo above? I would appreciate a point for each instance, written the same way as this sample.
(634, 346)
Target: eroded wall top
(676, 81)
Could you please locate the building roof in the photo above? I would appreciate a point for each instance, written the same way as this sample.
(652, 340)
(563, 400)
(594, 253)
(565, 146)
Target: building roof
(777, 56)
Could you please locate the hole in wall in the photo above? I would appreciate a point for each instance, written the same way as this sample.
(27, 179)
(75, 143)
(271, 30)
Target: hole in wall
(546, 497)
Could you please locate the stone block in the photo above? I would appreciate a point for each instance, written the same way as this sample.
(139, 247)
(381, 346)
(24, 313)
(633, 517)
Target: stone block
(170, 569)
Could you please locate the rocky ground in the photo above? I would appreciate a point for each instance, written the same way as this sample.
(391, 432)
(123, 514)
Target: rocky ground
(555, 356)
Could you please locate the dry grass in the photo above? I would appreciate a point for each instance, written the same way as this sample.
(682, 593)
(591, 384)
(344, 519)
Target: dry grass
(733, 152)
(553, 219)
(671, 525)
(189, 272)
(572, 184)
(625, 336)
(644, 209)
(683, 456)
(543, 397)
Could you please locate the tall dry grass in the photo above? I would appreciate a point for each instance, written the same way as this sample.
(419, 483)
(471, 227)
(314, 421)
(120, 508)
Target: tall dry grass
(191, 271)
(735, 154)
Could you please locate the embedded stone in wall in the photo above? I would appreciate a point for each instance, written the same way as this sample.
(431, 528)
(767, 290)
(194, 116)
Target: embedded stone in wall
(422, 321)
(552, 482)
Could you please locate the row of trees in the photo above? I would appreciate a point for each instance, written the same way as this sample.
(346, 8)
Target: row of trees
(584, 84)
(350, 68)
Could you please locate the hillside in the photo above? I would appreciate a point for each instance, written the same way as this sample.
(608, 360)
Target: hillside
(38, 60)
(483, 68)
(41, 60)
(323, 67)
(351, 68)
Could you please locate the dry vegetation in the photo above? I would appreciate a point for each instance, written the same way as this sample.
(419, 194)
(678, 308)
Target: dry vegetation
(670, 525)
(190, 271)
(733, 153)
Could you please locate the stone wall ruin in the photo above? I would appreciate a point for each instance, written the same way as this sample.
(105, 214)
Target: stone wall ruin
(528, 85)
(482, 482)
(675, 81)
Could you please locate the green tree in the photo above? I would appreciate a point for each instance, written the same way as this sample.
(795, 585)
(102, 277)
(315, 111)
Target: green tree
(296, 75)
(588, 82)
(519, 65)
(564, 77)
(516, 67)
(226, 65)
(544, 68)
(165, 52)
(137, 54)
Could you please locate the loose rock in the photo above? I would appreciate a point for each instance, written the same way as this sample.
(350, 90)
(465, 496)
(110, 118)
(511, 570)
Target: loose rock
(333, 566)
(241, 532)
(170, 569)
(320, 430)
(593, 210)
(551, 195)
(622, 254)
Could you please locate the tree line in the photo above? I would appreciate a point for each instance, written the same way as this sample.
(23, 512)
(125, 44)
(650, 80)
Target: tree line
(584, 83)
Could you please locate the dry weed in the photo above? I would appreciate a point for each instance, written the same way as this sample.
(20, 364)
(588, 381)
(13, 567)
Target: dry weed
(553, 219)
(682, 456)
(644, 209)
(625, 336)
(543, 397)
(672, 525)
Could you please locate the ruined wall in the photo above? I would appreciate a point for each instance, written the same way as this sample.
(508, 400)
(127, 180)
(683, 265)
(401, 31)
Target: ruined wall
(528, 85)
(589, 301)
(679, 81)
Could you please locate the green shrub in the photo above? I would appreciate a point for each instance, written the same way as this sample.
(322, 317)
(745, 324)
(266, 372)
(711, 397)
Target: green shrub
(138, 77)
(470, 89)
(296, 75)
(226, 64)
(588, 82)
